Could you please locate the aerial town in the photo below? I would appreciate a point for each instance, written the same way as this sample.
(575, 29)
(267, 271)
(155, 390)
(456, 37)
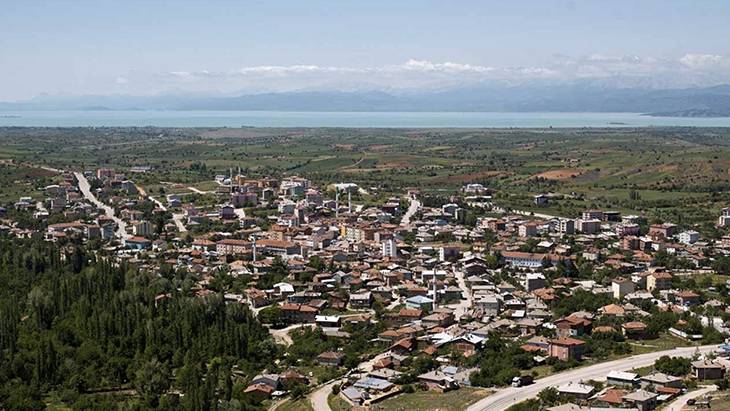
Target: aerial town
(372, 301)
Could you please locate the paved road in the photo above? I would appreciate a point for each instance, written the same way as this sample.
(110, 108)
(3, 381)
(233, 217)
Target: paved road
(463, 306)
(681, 401)
(318, 398)
(412, 209)
(282, 336)
(85, 188)
(176, 218)
(506, 397)
(498, 209)
(195, 190)
(159, 203)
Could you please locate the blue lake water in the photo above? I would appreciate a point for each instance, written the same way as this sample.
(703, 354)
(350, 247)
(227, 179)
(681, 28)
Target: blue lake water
(343, 119)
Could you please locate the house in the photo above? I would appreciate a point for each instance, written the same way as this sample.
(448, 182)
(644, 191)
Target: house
(257, 298)
(467, 345)
(227, 212)
(658, 281)
(404, 346)
(634, 330)
(330, 358)
(330, 321)
(354, 395)
(572, 326)
(438, 319)
(298, 313)
(662, 231)
(291, 377)
(527, 230)
(270, 380)
(201, 244)
(138, 243)
(533, 281)
(688, 237)
(621, 286)
(420, 302)
(659, 379)
(642, 399)
(540, 199)
(258, 392)
(708, 370)
(438, 381)
(576, 390)
(687, 298)
(624, 379)
(566, 348)
(612, 397)
(361, 300)
(373, 385)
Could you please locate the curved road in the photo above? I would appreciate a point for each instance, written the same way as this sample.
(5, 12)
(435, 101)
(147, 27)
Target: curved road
(507, 397)
(681, 401)
(318, 398)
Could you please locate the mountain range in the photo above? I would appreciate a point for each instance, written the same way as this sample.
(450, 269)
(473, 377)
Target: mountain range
(574, 97)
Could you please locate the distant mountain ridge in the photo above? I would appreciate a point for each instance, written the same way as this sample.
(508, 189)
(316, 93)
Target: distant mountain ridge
(576, 97)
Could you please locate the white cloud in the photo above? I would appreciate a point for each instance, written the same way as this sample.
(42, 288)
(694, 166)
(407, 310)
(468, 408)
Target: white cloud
(698, 61)
(687, 70)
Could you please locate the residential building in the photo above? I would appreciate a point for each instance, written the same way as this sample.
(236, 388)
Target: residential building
(621, 286)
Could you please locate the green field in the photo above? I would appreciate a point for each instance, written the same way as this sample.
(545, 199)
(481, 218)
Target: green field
(456, 400)
(677, 174)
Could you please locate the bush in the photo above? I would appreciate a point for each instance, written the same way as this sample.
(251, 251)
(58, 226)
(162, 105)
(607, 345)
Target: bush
(408, 389)
(676, 366)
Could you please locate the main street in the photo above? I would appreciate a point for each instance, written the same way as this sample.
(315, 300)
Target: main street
(85, 188)
(412, 209)
(506, 397)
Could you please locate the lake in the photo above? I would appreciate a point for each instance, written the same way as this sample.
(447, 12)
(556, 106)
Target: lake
(343, 119)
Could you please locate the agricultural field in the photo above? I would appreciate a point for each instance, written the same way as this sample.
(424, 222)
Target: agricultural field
(679, 174)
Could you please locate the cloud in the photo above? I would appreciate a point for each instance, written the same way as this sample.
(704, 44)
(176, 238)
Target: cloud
(698, 61)
(689, 69)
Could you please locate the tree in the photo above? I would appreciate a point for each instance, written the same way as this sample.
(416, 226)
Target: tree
(548, 396)
(271, 315)
(722, 265)
(151, 380)
(676, 366)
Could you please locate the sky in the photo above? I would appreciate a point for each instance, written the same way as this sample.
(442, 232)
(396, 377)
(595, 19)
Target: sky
(233, 47)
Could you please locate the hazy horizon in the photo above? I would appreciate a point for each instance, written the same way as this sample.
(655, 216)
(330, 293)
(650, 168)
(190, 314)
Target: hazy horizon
(223, 48)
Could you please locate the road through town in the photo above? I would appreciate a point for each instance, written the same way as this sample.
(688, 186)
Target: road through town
(412, 209)
(504, 398)
(85, 188)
